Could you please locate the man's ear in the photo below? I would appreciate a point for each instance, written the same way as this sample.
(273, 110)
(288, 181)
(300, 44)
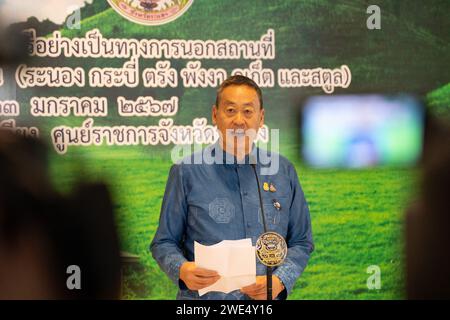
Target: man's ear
(214, 114)
(261, 121)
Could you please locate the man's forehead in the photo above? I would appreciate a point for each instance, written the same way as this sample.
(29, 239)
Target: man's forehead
(234, 93)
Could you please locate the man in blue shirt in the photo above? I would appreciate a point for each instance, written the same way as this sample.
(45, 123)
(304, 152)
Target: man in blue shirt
(211, 201)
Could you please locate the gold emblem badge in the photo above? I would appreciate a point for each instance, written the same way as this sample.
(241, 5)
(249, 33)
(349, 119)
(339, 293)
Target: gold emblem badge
(266, 186)
(271, 249)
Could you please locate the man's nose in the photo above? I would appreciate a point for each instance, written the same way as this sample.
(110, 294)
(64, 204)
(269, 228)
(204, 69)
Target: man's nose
(238, 119)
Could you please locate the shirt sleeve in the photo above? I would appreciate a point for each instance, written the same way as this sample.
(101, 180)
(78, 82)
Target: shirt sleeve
(299, 238)
(167, 244)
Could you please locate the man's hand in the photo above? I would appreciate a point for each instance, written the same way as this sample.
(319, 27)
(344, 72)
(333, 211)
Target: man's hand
(197, 278)
(258, 290)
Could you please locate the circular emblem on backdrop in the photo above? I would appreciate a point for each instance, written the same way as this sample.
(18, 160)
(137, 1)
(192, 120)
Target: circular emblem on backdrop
(271, 249)
(151, 12)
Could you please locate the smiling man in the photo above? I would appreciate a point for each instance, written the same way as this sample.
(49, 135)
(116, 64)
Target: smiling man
(209, 203)
(238, 114)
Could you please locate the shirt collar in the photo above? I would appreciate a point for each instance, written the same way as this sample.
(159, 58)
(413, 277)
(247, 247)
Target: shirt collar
(230, 159)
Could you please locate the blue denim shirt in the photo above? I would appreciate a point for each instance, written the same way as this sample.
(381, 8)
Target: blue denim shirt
(209, 203)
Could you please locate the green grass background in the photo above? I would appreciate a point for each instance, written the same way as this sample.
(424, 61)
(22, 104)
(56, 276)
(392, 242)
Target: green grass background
(356, 215)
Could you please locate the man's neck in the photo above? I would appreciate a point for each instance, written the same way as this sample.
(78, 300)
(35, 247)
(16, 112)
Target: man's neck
(240, 152)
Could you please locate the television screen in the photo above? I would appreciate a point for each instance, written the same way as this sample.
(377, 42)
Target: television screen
(362, 130)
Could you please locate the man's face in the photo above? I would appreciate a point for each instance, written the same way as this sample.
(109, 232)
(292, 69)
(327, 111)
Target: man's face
(238, 116)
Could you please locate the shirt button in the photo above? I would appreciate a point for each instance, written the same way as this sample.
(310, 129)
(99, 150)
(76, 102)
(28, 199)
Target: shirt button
(245, 193)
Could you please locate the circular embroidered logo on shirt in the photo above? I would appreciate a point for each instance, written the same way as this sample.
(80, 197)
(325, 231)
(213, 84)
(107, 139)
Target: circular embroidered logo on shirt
(271, 249)
(151, 12)
(221, 210)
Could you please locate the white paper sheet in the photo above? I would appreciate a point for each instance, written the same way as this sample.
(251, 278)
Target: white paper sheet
(234, 260)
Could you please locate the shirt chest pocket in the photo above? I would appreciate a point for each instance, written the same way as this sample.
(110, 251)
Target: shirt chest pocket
(276, 211)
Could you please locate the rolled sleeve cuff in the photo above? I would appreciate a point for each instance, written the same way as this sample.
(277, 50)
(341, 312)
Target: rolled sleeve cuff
(173, 265)
(288, 277)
